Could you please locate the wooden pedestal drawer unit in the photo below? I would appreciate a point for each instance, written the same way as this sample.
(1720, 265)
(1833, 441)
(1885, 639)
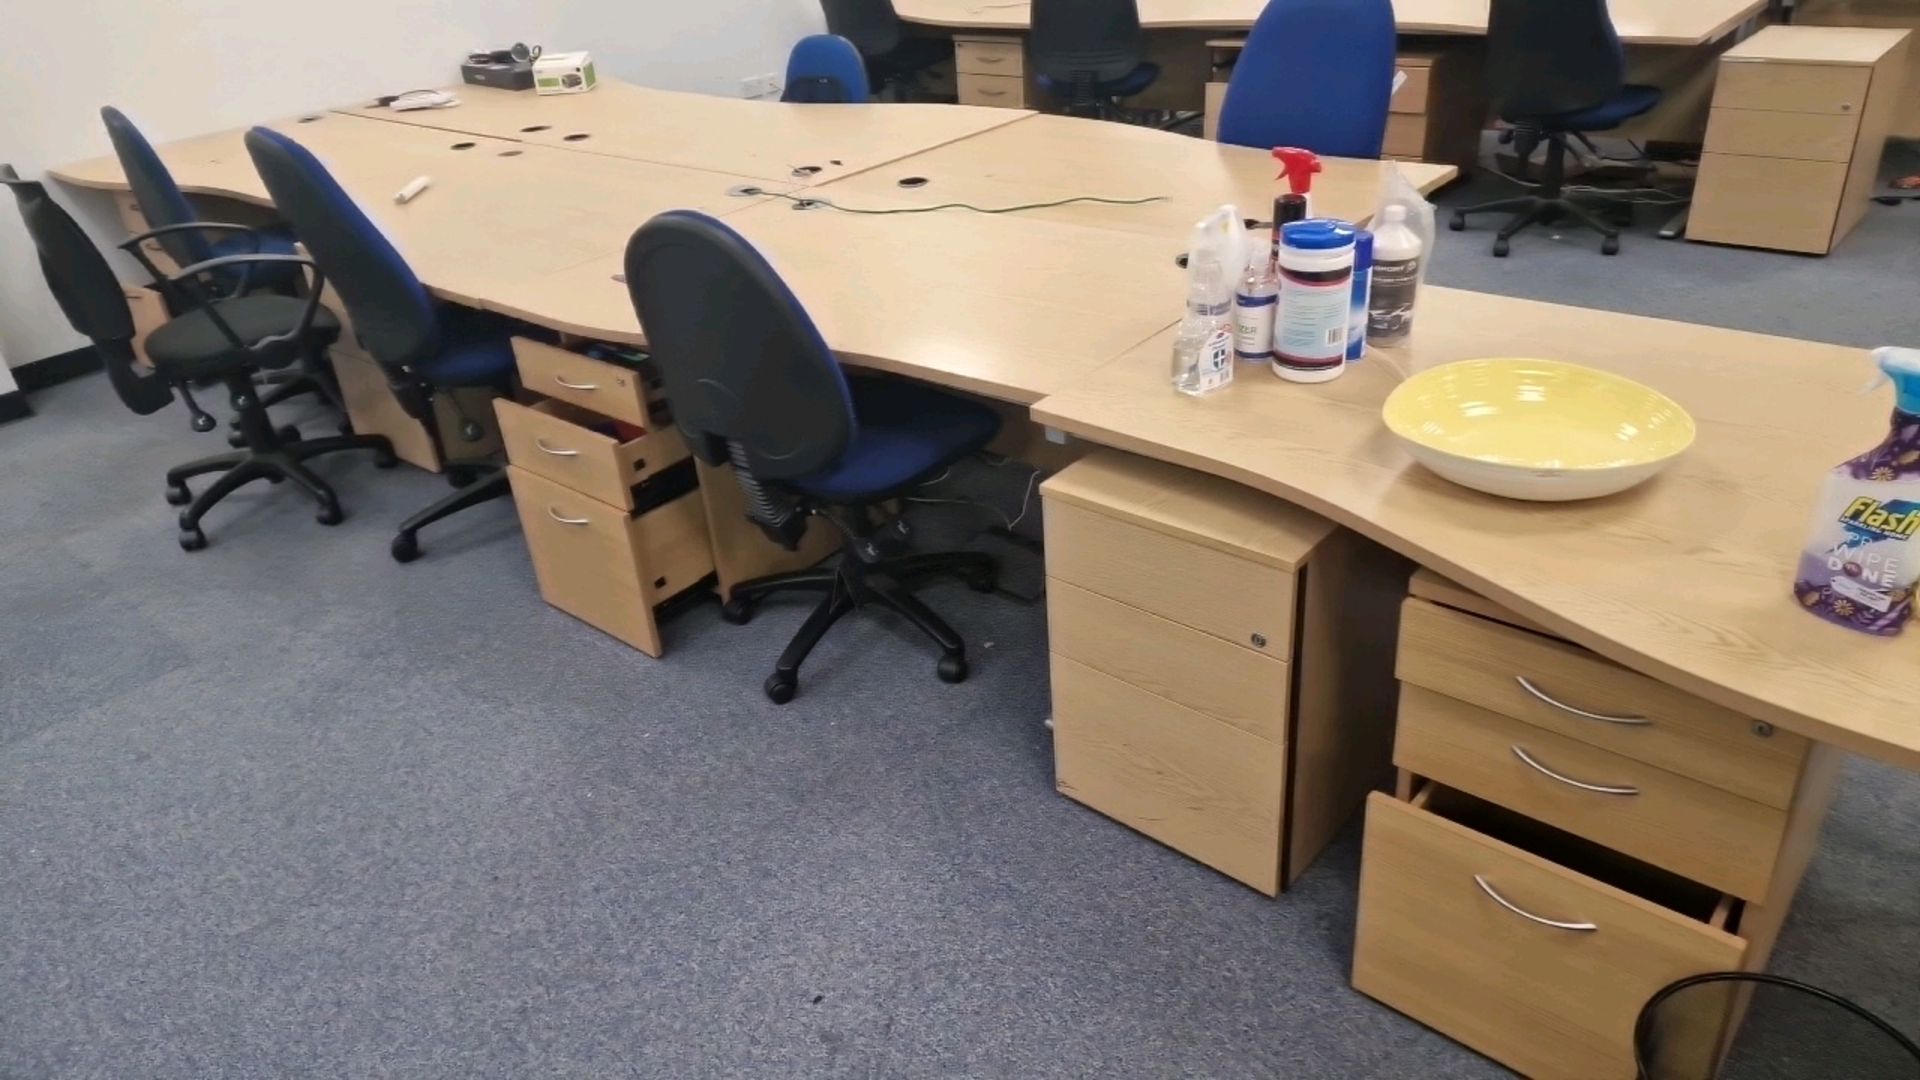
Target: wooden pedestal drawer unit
(991, 71)
(1570, 836)
(1219, 660)
(1792, 152)
(613, 517)
(1532, 949)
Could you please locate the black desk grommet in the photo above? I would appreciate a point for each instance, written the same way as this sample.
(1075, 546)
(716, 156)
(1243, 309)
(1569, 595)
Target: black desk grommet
(511, 153)
(463, 146)
(536, 127)
(576, 136)
(912, 181)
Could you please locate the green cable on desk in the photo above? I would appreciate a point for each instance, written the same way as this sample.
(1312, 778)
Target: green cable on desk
(802, 200)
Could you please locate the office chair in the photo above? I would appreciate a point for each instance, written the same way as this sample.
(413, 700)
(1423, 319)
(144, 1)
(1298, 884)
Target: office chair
(421, 345)
(1556, 69)
(751, 383)
(1316, 74)
(825, 69)
(1088, 53)
(225, 339)
(894, 58)
(187, 240)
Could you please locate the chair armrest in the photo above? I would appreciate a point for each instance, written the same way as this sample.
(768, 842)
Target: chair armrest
(191, 226)
(212, 307)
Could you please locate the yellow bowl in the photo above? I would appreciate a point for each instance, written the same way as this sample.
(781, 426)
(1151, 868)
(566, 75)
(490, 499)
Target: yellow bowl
(1536, 429)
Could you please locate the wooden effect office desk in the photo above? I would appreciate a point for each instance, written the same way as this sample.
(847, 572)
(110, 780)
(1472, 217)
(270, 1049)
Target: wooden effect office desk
(1685, 579)
(766, 140)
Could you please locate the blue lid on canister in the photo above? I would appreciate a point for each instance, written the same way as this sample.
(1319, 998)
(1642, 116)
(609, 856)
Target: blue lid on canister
(1317, 234)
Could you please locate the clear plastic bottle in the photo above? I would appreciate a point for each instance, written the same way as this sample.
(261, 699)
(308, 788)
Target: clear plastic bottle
(1203, 345)
(1254, 301)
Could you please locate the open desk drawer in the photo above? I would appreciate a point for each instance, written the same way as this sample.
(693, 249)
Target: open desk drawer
(596, 385)
(571, 446)
(1526, 944)
(610, 568)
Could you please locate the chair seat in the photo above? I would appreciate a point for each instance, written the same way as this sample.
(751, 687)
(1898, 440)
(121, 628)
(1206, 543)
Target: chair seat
(907, 432)
(1125, 86)
(192, 346)
(476, 349)
(1630, 102)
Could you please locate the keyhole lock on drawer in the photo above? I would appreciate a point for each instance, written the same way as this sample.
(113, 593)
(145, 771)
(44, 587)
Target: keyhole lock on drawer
(1259, 640)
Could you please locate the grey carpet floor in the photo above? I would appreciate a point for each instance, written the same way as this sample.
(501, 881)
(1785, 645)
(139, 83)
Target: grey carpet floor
(286, 808)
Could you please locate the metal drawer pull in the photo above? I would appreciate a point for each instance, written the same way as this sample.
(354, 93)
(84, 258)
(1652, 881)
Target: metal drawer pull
(1582, 927)
(544, 448)
(555, 515)
(1604, 789)
(562, 380)
(1527, 685)
(989, 58)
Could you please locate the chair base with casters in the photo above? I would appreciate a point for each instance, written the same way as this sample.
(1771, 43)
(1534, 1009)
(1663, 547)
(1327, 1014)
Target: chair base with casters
(267, 456)
(872, 570)
(482, 483)
(1083, 96)
(1548, 204)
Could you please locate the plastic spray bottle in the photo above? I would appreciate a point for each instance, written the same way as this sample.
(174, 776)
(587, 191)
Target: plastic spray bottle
(1297, 167)
(1860, 567)
(1254, 302)
(1203, 345)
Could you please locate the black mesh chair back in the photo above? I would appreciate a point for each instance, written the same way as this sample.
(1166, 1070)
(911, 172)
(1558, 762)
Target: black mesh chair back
(1087, 40)
(871, 25)
(87, 291)
(746, 372)
(391, 310)
(1546, 57)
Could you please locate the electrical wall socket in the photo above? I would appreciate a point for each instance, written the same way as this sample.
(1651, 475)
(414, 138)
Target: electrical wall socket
(760, 86)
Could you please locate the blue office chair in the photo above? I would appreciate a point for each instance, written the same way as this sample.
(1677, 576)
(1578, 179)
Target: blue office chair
(423, 346)
(751, 383)
(894, 59)
(824, 69)
(1556, 69)
(1315, 74)
(1089, 53)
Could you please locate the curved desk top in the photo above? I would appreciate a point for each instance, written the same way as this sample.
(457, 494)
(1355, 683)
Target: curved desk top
(1686, 578)
(1639, 22)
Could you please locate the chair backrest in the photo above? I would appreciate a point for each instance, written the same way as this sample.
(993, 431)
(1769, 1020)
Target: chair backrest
(1315, 74)
(1100, 40)
(746, 372)
(392, 314)
(159, 198)
(871, 25)
(825, 69)
(1546, 57)
(86, 290)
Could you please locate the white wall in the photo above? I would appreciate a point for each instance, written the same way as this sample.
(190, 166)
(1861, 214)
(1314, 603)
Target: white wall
(182, 67)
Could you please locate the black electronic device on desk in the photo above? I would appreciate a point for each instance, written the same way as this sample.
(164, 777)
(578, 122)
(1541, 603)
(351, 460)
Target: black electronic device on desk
(502, 69)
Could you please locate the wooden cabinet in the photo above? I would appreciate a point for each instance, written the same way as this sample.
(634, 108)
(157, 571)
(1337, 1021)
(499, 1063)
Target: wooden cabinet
(1569, 837)
(609, 506)
(1220, 663)
(991, 71)
(1792, 153)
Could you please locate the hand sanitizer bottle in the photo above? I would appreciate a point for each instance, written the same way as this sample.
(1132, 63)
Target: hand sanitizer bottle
(1203, 346)
(1860, 568)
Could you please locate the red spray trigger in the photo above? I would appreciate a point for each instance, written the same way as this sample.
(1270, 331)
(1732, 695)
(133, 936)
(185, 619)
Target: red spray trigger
(1297, 166)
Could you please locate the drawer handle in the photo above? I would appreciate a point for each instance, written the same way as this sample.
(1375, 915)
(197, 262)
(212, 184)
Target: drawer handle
(989, 58)
(1604, 789)
(1582, 927)
(993, 93)
(564, 520)
(545, 449)
(1631, 721)
(562, 380)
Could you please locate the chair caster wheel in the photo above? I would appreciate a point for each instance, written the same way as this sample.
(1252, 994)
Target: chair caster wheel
(952, 668)
(461, 475)
(739, 612)
(984, 583)
(1610, 246)
(1458, 222)
(178, 495)
(330, 515)
(781, 687)
(236, 440)
(385, 459)
(1500, 249)
(276, 478)
(405, 548)
(289, 433)
(192, 539)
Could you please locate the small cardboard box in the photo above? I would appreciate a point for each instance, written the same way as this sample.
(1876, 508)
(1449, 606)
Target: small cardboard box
(564, 73)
